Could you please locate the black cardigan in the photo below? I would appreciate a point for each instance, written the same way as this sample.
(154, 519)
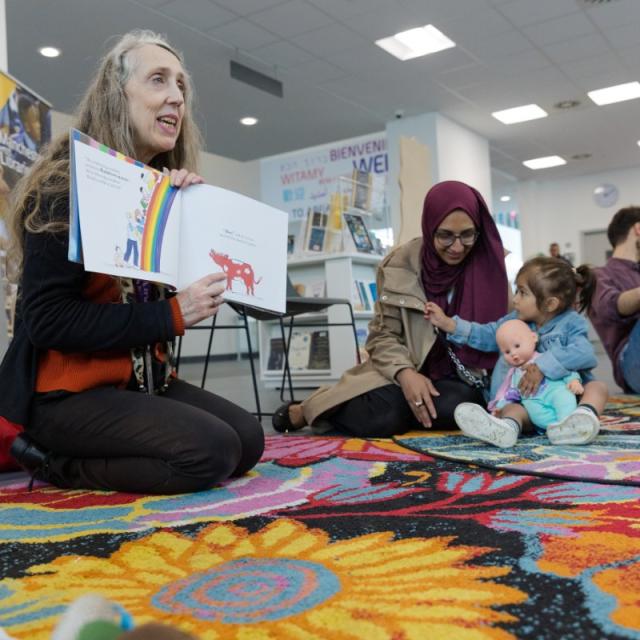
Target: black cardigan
(53, 314)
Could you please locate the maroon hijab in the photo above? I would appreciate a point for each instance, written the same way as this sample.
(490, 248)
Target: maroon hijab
(479, 282)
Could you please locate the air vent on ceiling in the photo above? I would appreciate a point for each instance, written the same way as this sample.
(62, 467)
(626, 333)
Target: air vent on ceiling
(593, 3)
(255, 79)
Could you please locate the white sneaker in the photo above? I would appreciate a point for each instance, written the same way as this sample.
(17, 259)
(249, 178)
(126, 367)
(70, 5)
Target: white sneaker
(475, 422)
(579, 427)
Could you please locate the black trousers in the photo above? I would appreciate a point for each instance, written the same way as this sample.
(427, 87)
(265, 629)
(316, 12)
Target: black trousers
(384, 412)
(106, 438)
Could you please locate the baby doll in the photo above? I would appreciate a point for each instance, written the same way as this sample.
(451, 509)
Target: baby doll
(554, 400)
(548, 406)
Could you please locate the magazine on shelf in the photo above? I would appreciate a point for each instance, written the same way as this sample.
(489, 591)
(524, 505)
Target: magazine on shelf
(276, 354)
(319, 356)
(359, 233)
(356, 297)
(365, 295)
(299, 350)
(361, 189)
(127, 220)
(316, 230)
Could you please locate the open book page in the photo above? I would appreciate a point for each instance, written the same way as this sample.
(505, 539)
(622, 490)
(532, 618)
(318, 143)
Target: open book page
(127, 220)
(124, 215)
(224, 231)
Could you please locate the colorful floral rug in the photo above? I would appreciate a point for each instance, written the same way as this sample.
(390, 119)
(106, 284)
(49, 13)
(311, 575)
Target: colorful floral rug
(335, 539)
(614, 457)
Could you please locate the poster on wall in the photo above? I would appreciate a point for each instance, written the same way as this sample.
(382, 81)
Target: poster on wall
(304, 180)
(25, 127)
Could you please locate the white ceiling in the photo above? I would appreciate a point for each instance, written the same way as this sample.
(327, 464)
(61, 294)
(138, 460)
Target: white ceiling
(338, 84)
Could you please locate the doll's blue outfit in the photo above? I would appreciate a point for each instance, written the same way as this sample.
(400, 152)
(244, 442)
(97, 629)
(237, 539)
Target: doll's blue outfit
(551, 403)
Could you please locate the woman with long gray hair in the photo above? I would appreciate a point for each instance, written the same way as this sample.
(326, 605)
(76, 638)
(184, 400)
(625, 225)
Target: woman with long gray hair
(74, 372)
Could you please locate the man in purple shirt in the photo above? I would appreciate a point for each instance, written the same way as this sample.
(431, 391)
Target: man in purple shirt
(615, 306)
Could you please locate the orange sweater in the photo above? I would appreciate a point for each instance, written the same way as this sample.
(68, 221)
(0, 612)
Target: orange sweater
(86, 370)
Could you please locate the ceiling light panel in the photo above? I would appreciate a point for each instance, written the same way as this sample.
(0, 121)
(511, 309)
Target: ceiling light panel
(520, 114)
(544, 163)
(415, 43)
(617, 93)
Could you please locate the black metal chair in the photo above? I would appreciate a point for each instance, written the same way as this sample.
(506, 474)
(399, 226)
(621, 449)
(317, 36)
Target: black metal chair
(296, 305)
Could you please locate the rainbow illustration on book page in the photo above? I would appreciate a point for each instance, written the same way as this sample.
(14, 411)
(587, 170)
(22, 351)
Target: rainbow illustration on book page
(155, 224)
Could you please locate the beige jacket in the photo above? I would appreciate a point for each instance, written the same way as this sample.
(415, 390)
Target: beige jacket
(399, 336)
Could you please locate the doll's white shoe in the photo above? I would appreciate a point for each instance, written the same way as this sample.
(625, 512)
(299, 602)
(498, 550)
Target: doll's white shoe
(475, 422)
(579, 427)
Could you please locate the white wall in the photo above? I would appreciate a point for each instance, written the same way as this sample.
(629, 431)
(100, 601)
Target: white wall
(243, 177)
(423, 129)
(456, 154)
(463, 155)
(559, 210)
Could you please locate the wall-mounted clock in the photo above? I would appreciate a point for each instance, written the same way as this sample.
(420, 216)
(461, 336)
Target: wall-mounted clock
(606, 195)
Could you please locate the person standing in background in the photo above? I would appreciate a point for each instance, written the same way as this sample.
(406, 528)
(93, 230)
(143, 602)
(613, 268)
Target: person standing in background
(614, 301)
(554, 252)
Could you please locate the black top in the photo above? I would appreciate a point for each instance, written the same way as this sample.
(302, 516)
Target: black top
(52, 313)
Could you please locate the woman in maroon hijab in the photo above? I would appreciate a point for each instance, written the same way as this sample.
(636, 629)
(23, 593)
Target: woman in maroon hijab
(413, 377)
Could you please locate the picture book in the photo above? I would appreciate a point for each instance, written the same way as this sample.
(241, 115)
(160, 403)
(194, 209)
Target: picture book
(319, 356)
(276, 354)
(359, 233)
(316, 230)
(299, 350)
(127, 220)
(361, 189)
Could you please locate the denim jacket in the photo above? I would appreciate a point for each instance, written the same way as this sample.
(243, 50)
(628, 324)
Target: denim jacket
(563, 344)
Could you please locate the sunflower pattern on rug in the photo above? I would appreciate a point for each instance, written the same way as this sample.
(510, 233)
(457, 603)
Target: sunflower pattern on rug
(614, 456)
(334, 538)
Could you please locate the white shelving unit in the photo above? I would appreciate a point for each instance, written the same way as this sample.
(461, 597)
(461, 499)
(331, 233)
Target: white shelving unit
(338, 271)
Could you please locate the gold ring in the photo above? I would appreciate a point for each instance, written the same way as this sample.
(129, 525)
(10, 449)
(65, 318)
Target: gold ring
(418, 403)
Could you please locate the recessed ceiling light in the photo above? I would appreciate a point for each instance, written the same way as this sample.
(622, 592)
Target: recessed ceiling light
(639, 143)
(520, 114)
(249, 121)
(49, 52)
(544, 163)
(617, 93)
(417, 42)
(505, 198)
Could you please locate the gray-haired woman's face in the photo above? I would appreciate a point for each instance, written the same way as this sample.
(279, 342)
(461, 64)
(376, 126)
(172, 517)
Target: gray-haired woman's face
(155, 93)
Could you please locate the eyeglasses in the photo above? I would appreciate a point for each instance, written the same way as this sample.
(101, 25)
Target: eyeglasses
(447, 238)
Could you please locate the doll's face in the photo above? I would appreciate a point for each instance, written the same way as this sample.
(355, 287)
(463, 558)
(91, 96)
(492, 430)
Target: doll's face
(517, 342)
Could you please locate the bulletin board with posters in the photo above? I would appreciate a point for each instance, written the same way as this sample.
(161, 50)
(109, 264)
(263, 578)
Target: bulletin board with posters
(25, 127)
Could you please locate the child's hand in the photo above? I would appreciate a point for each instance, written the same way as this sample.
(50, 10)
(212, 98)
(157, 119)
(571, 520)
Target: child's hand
(530, 380)
(439, 318)
(576, 387)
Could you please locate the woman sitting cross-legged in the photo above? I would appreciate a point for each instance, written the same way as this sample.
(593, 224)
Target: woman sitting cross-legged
(410, 379)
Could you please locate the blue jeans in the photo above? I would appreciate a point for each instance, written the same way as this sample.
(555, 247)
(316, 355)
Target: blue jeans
(630, 360)
(132, 246)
